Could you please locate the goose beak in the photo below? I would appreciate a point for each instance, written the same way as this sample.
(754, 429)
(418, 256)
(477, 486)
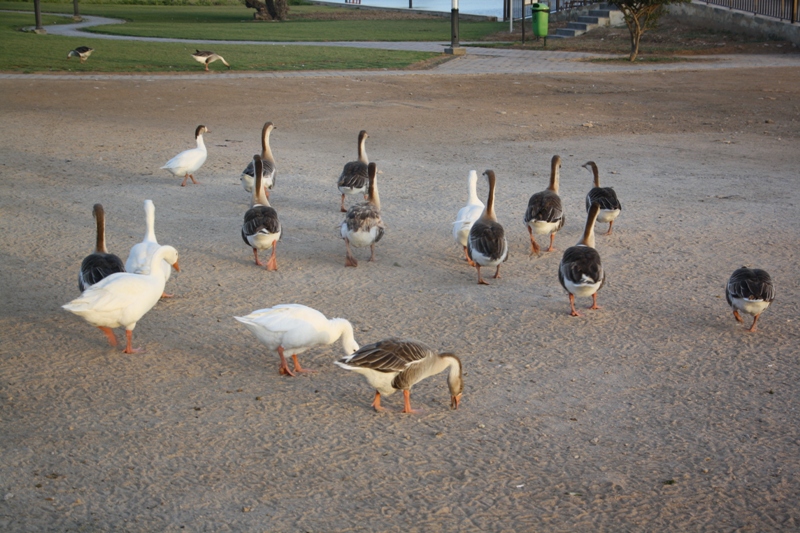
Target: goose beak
(176, 267)
(454, 401)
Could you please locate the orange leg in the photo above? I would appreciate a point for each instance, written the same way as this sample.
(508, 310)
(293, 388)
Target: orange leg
(609, 227)
(186, 177)
(112, 339)
(407, 403)
(372, 252)
(497, 272)
(165, 295)
(193, 180)
(572, 305)
(349, 261)
(284, 368)
(272, 264)
(552, 238)
(469, 261)
(594, 302)
(255, 254)
(128, 347)
(342, 209)
(753, 327)
(535, 250)
(481, 281)
(736, 316)
(376, 403)
(298, 368)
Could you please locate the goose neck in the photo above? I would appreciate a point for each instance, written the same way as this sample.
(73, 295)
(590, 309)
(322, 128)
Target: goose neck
(473, 188)
(150, 221)
(339, 327)
(554, 175)
(266, 150)
(588, 232)
(100, 221)
(200, 144)
(489, 211)
(362, 150)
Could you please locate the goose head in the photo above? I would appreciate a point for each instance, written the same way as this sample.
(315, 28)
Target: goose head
(455, 379)
(200, 131)
(165, 253)
(591, 166)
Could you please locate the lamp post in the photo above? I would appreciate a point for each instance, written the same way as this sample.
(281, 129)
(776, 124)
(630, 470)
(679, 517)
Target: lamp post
(37, 12)
(454, 49)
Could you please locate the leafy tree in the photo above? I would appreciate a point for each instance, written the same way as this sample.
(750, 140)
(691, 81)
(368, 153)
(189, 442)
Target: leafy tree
(641, 15)
(268, 10)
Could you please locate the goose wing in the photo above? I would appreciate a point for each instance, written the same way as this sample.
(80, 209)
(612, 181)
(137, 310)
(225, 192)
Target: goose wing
(354, 175)
(544, 206)
(488, 238)
(389, 355)
(581, 265)
(260, 219)
(96, 267)
(750, 284)
(605, 196)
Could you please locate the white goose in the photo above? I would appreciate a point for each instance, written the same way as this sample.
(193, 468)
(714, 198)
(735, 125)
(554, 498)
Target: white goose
(750, 291)
(487, 245)
(605, 196)
(294, 329)
(362, 225)
(141, 254)
(261, 228)
(206, 57)
(545, 214)
(267, 160)
(581, 272)
(122, 299)
(100, 264)
(468, 214)
(186, 163)
(354, 178)
(393, 364)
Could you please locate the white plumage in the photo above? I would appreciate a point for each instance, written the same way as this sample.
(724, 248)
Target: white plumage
(186, 163)
(141, 255)
(468, 214)
(294, 329)
(122, 299)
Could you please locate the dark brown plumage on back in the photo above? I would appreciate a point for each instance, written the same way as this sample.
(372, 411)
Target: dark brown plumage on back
(487, 244)
(545, 213)
(354, 178)
(100, 264)
(750, 291)
(605, 197)
(581, 271)
(261, 228)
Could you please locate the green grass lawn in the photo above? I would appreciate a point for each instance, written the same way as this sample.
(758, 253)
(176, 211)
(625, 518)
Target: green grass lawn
(235, 22)
(28, 52)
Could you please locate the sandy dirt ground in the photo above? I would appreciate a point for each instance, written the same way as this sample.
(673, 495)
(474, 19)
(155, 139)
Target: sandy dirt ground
(657, 412)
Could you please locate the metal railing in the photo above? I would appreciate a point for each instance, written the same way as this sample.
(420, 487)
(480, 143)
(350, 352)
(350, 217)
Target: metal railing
(779, 9)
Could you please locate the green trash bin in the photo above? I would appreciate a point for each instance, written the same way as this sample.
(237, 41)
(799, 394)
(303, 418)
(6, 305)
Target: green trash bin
(539, 19)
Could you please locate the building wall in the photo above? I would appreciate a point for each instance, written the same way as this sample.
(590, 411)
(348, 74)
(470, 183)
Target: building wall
(722, 18)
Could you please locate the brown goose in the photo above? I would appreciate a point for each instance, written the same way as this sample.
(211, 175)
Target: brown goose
(267, 160)
(581, 272)
(354, 178)
(362, 225)
(82, 53)
(261, 228)
(394, 364)
(99, 264)
(605, 196)
(206, 57)
(749, 291)
(487, 245)
(545, 214)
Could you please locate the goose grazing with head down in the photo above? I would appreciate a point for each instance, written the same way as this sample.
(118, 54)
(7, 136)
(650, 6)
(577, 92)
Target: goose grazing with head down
(468, 214)
(207, 57)
(354, 178)
(394, 364)
(188, 162)
(100, 264)
(605, 196)
(122, 299)
(749, 291)
(487, 245)
(294, 329)
(362, 225)
(545, 214)
(581, 272)
(82, 53)
(267, 162)
(141, 255)
(261, 228)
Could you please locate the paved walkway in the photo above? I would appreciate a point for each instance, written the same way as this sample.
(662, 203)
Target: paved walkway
(477, 60)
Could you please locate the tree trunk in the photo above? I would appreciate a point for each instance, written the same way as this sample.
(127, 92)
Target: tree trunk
(636, 37)
(76, 12)
(271, 10)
